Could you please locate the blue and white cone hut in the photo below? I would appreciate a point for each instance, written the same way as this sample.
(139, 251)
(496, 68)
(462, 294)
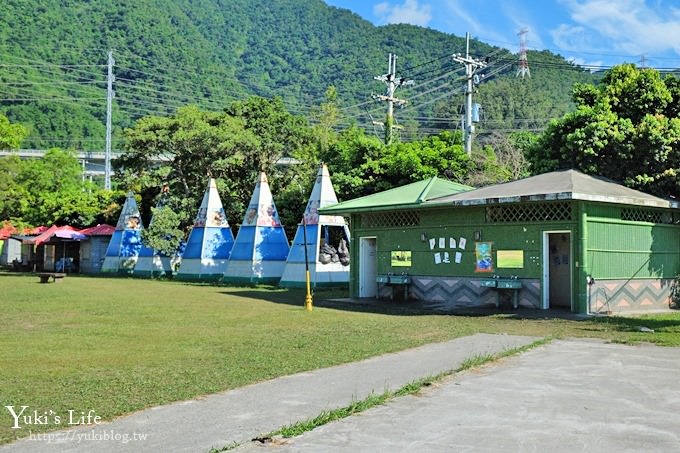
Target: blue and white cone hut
(210, 241)
(261, 247)
(126, 242)
(327, 241)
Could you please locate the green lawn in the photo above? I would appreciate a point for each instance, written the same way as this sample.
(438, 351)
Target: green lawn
(120, 345)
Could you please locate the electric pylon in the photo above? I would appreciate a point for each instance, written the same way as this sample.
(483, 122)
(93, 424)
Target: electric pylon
(523, 69)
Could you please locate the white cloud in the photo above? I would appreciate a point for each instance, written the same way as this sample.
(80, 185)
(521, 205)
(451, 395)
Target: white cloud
(520, 18)
(573, 38)
(459, 14)
(462, 21)
(630, 26)
(410, 12)
(592, 65)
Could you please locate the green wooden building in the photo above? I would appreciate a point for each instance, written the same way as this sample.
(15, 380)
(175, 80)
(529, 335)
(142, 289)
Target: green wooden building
(558, 240)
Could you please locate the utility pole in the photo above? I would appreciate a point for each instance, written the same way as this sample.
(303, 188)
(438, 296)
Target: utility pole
(471, 66)
(392, 83)
(109, 101)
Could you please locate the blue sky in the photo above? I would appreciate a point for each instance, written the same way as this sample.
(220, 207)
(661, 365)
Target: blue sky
(593, 32)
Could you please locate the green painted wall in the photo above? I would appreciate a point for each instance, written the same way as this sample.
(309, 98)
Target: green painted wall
(609, 248)
(620, 249)
(457, 223)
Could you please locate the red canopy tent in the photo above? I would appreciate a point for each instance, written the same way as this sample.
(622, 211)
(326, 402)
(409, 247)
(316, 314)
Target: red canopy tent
(54, 236)
(64, 232)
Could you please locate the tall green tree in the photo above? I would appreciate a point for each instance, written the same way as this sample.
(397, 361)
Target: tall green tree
(277, 132)
(626, 129)
(183, 150)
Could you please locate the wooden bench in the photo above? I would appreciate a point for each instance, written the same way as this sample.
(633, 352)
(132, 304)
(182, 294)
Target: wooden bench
(55, 276)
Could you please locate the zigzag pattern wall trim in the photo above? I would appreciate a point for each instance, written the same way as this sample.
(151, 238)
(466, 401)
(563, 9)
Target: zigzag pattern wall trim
(448, 293)
(615, 296)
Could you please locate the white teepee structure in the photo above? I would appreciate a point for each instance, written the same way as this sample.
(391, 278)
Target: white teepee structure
(324, 235)
(210, 241)
(126, 242)
(261, 247)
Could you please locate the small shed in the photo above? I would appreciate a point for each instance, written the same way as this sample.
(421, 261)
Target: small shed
(11, 244)
(93, 247)
(10, 248)
(561, 240)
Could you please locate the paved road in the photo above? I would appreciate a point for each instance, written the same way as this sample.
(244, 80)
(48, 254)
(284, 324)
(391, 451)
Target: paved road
(563, 397)
(242, 414)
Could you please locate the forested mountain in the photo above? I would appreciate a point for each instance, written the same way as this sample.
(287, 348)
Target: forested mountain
(53, 65)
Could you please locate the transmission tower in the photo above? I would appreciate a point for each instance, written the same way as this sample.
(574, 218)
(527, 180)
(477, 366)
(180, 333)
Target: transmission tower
(392, 83)
(643, 61)
(523, 69)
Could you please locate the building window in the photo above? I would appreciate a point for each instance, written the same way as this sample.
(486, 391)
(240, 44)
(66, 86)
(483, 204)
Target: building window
(534, 212)
(646, 215)
(390, 219)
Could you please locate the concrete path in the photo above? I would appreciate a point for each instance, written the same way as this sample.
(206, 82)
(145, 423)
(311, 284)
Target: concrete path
(244, 413)
(568, 396)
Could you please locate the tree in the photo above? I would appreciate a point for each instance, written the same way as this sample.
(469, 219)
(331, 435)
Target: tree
(50, 190)
(438, 155)
(362, 164)
(278, 132)
(500, 159)
(191, 146)
(11, 135)
(620, 130)
(163, 234)
(13, 195)
(231, 146)
(327, 118)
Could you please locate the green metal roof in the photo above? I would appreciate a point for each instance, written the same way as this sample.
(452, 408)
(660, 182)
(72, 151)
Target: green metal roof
(408, 196)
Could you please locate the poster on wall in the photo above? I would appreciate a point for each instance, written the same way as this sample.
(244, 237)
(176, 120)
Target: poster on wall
(483, 257)
(401, 258)
(511, 259)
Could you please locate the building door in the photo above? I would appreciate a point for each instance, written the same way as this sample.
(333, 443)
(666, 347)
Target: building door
(49, 259)
(368, 265)
(557, 270)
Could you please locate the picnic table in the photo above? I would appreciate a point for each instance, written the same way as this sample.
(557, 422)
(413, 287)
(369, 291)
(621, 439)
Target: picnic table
(55, 276)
